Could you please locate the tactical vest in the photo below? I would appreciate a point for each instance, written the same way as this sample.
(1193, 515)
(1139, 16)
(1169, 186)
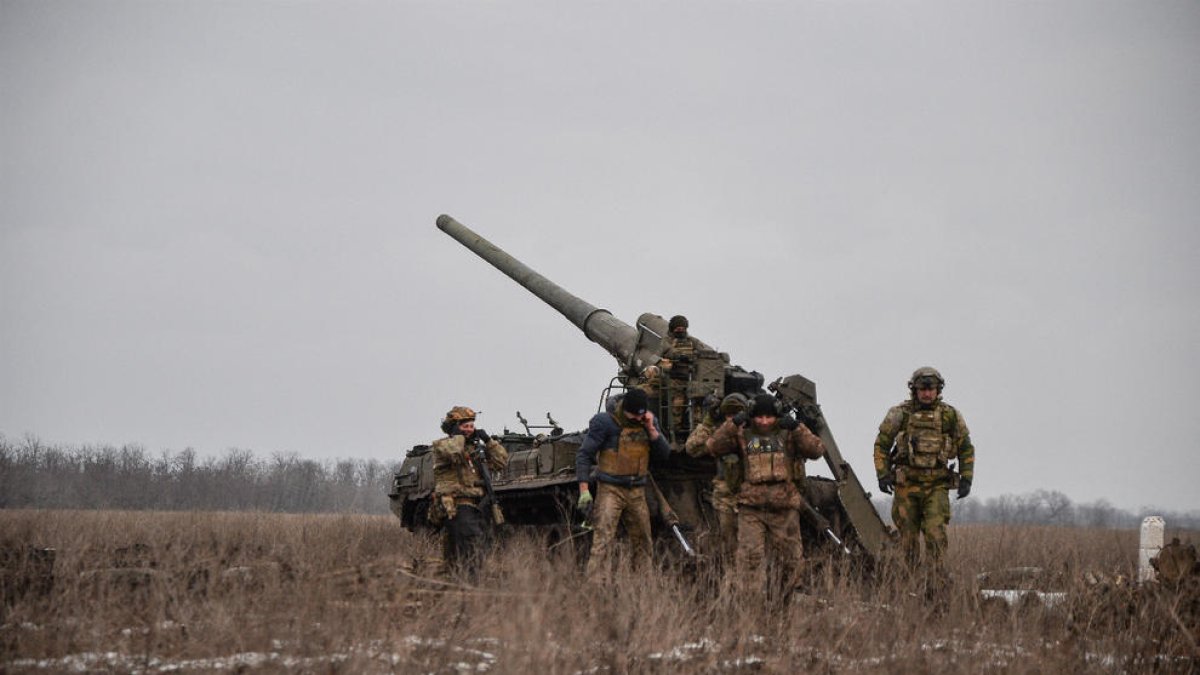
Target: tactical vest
(766, 460)
(631, 457)
(682, 354)
(922, 444)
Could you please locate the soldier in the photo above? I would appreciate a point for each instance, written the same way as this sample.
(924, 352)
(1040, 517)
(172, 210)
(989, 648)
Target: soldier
(729, 473)
(773, 449)
(916, 442)
(678, 358)
(621, 445)
(459, 487)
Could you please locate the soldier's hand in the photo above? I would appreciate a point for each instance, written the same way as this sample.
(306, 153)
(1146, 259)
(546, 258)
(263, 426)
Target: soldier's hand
(648, 419)
(887, 483)
(740, 419)
(964, 487)
(788, 423)
(481, 435)
(585, 501)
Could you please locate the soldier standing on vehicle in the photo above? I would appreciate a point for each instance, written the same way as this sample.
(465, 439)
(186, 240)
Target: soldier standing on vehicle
(621, 445)
(459, 487)
(678, 359)
(773, 448)
(913, 451)
(729, 473)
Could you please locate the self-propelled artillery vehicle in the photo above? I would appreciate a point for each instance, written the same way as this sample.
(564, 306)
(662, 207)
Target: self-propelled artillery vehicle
(538, 490)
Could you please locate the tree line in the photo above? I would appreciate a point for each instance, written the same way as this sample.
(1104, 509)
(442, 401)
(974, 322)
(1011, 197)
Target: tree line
(37, 475)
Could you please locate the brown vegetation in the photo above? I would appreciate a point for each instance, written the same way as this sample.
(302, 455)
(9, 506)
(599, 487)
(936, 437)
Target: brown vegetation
(192, 592)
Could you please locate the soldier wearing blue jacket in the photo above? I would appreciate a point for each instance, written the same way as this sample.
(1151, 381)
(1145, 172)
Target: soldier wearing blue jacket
(620, 445)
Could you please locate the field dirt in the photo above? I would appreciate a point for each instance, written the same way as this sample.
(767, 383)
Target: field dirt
(152, 592)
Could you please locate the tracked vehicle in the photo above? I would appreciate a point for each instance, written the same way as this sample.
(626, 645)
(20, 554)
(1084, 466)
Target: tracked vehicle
(538, 489)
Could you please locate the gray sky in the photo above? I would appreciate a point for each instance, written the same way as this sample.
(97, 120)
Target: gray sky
(217, 219)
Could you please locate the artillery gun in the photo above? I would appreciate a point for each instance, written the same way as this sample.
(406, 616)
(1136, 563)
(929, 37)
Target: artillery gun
(538, 489)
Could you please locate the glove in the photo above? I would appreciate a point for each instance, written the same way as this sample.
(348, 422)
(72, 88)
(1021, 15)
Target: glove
(740, 419)
(788, 423)
(964, 487)
(482, 436)
(585, 501)
(887, 483)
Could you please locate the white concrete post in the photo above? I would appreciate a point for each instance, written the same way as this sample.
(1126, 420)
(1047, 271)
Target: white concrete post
(1153, 529)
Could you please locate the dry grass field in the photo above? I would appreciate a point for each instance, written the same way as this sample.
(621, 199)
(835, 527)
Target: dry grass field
(151, 592)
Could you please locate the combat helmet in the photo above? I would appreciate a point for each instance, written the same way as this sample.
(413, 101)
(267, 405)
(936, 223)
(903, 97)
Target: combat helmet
(733, 404)
(457, 415)
(926, 375)
(677, 321)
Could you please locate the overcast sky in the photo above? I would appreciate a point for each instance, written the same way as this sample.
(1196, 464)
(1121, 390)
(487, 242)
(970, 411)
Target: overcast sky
(217, 219)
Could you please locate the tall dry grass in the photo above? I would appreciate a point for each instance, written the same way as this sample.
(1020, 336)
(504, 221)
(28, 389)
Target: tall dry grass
(196, 592)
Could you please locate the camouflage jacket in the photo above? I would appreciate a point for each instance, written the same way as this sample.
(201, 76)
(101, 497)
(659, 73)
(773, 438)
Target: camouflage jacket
(799, 444)
(697, 446)
(697, 441)
(454, 473)
(899, 437)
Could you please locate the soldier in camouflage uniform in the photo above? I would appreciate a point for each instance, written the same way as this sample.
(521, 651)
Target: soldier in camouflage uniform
(459, 488)
(773, 448)
(620, 445)
(678, 359)
(729, 473)
(913, 451)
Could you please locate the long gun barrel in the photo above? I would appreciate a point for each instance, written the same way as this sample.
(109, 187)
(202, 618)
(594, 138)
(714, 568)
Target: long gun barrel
(599, 325)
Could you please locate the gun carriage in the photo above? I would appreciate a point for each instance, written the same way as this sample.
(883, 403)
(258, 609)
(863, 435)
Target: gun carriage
(538, 489)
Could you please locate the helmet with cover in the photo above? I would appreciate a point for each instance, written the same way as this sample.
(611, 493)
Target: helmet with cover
(457, 415)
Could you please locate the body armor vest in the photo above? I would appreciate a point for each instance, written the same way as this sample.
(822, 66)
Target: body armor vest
(682, 354)
(631, 457)
(922, 444)
(766, 461)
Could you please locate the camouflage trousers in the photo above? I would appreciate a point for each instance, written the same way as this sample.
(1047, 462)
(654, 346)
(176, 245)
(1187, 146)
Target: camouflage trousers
(618, 505)
(679, 405)
(922, 508)
(763, 530)
(724, 503)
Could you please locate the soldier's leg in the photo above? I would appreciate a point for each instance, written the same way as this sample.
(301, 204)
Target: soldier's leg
(787, 547)
(467, 539)
(637, 525)
(447, 548)
(934, 518)
(906, 509)
(751, 542)
(679, 404)
(606, 513)
(726, 508)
